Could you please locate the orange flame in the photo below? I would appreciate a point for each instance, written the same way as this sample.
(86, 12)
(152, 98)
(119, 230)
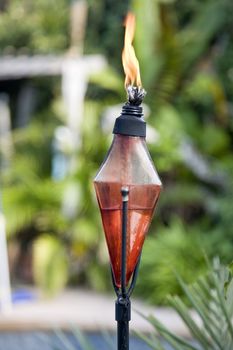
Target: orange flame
(129, 59)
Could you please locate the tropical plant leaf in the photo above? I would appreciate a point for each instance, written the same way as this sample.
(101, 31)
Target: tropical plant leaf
(211, 298)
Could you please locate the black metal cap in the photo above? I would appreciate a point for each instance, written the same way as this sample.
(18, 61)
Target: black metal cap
(131, 122)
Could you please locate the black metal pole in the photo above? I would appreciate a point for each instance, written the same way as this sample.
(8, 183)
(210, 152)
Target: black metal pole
(125, 199)
(123, 305)
(123, 316)
(123, 308)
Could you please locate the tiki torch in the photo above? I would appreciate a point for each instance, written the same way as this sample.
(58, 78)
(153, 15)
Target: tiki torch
(127, 188)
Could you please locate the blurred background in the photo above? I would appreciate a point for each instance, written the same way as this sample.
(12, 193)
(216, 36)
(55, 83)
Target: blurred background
(62, 86)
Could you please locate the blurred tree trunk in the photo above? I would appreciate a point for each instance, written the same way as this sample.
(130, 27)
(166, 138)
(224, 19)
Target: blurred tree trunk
(78, 19)
(3, 5)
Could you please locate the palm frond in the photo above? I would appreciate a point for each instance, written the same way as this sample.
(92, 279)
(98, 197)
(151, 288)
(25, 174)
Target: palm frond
(211, 297)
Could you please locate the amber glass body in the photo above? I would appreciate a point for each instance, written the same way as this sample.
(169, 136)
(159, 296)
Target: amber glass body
(128, 163)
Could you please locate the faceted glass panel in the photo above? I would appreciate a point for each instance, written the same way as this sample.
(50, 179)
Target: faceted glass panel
(128, 163)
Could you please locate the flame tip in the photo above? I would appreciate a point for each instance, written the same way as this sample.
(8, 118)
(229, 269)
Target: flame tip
(129, 59)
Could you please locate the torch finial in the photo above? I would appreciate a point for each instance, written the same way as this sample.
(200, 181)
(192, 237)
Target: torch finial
(135, 95)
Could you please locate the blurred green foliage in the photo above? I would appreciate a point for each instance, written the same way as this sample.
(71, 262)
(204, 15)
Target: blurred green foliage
(34, 27)
(50, 264)
(185, 51)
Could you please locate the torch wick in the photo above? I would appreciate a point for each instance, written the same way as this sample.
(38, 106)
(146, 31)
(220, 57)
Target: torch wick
(135, 95)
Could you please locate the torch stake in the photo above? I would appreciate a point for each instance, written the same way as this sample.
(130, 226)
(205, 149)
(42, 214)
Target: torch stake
(123, 305)
(125, 199)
